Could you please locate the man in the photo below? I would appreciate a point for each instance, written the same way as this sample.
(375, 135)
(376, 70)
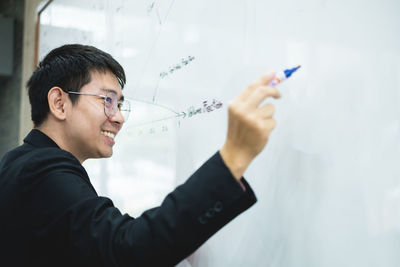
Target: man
(52, 215)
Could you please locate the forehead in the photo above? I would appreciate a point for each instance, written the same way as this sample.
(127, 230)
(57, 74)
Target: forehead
(103, 82)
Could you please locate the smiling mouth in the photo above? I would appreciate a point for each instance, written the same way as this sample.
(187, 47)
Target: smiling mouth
(109, 134)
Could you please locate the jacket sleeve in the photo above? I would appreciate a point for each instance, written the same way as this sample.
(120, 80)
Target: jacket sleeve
(98, 234)
(188, 216)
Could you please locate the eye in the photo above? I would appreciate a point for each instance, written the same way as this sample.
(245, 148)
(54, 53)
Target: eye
(108, 101)
(120, 105)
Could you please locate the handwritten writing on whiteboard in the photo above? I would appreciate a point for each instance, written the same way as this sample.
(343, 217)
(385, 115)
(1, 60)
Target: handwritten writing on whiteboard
(161, 8)
(150, 9)
(159, 125)
(184, 62)
(207, 107)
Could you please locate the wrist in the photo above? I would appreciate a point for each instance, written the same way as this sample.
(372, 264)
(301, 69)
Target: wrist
(236, 161)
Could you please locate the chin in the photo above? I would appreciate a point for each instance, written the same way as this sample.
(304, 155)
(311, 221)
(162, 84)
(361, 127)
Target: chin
(105, 154)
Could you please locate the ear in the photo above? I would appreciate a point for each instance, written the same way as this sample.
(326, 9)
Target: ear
(57, 99)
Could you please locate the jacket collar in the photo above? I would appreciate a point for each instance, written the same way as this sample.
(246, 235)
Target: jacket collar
(39, 139)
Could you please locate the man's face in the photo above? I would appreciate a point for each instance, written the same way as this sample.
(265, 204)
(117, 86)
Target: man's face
(90, 133)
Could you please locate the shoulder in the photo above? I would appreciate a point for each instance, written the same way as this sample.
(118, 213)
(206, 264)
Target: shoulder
(43, 161)
(32, 167)
(53, 159)
(42, 177)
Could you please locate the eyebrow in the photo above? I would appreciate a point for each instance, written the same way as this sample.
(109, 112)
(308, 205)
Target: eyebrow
(112, 91)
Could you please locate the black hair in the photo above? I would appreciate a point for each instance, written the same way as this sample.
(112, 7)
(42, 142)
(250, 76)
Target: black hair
(68, 67)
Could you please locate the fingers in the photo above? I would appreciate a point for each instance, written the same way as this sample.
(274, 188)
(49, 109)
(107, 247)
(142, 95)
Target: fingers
(249, 125)
(270, 125)
(260, 93)
(266, 111)
(262, 81)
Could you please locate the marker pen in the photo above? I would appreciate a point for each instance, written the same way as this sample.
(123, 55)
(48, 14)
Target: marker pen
(283, 75)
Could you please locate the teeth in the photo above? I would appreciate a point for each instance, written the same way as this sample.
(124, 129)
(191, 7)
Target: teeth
(109, 134)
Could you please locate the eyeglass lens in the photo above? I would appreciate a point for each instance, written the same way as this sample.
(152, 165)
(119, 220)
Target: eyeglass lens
(111, 105)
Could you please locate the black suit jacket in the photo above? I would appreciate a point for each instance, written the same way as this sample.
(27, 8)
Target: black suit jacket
(52, 216)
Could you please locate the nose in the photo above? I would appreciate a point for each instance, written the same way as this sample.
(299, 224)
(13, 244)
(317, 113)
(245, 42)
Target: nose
(117, 118)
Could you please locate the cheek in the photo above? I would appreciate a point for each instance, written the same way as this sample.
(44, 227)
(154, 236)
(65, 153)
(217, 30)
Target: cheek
(88, 128)
(89, 120)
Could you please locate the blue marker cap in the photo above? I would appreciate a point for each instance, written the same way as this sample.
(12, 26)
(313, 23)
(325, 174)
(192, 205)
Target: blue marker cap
(289, 72)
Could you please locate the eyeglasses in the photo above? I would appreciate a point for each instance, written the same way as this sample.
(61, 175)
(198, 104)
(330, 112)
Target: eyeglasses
(111, 104)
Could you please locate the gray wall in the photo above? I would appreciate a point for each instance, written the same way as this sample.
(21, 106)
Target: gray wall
(10, 87)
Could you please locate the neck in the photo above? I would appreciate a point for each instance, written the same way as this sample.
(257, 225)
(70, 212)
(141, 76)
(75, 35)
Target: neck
(57, 134)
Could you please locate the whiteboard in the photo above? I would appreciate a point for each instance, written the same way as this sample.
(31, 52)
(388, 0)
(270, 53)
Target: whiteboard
(328, 182)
